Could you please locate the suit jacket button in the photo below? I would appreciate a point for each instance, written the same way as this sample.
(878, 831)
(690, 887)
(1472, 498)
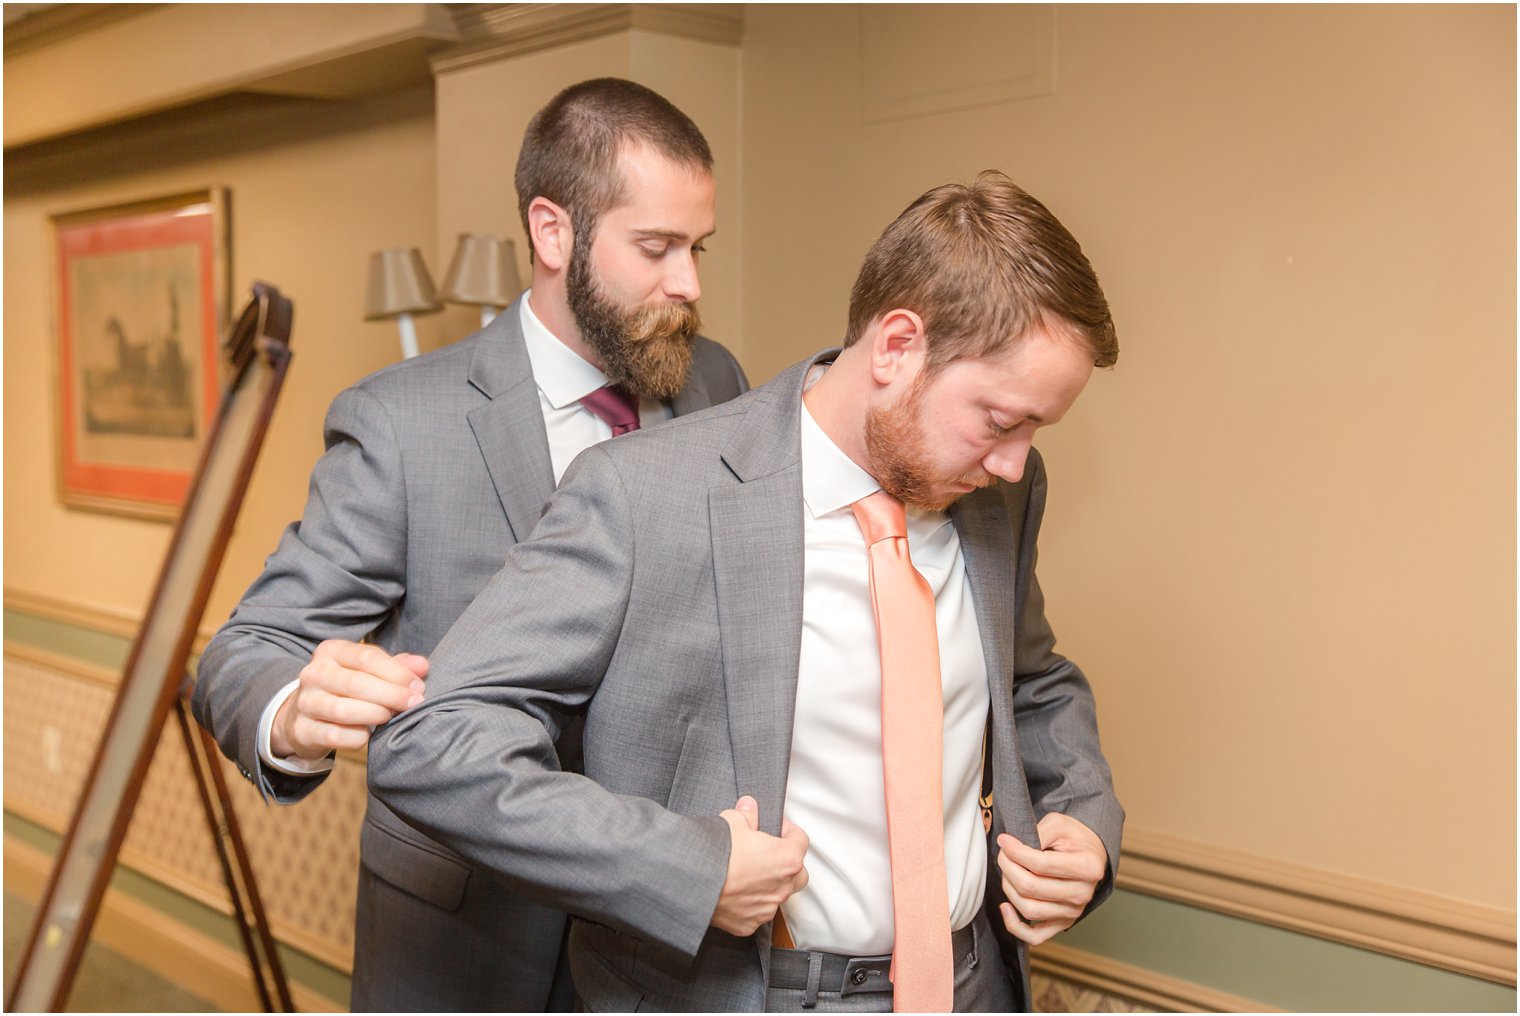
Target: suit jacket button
(859, 976)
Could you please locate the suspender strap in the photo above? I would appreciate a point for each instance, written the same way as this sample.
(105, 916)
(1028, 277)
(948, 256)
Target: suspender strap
(985, 798)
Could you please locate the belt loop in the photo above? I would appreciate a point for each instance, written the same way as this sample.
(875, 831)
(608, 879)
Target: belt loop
(976, 943)
(815, 975)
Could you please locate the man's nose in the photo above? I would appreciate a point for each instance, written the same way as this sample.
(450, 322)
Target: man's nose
(1007, 461)
(682, 282)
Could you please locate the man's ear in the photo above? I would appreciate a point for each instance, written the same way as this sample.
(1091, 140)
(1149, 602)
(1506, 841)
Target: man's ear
(550, 233)
(897, 347)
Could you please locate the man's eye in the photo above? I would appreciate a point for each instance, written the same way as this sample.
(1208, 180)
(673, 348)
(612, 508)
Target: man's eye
(697, 248)
(653, 251)
(997, 429)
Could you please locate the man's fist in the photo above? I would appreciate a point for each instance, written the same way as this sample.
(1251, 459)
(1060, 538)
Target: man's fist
(763, 870)
(1048, 889)
(345, 691)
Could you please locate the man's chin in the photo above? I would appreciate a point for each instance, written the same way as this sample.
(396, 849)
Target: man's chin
(938, 503)
(936, 497)
(658, 368)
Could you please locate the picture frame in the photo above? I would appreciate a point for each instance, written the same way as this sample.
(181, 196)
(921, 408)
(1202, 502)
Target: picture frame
(141, 293)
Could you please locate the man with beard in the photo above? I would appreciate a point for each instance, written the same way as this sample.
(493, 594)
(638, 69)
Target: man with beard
(818, 599)
(433, 469)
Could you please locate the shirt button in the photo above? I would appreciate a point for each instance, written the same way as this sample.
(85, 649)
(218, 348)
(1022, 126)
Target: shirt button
(858, 977)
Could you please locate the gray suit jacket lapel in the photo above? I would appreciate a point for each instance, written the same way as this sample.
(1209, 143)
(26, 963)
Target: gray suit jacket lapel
(757, 566)
(510, 428)
(693, 397)
(990, 548)
(757, 562)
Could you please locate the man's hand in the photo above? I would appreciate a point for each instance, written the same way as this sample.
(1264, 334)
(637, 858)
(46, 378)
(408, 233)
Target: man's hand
(345, 690)
(1048, 889)
(763, 870)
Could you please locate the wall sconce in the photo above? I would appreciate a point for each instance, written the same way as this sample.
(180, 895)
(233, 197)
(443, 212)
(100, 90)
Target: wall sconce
(399, 286)
(483, 272)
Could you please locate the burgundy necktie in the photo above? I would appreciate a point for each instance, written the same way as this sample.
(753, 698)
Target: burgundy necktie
(615, 407)
(912, 745)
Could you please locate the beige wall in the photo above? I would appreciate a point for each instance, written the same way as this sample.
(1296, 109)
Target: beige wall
(315, 187)
(1281, 535)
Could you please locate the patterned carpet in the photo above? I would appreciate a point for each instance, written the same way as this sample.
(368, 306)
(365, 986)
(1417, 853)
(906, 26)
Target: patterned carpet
(1053, 995)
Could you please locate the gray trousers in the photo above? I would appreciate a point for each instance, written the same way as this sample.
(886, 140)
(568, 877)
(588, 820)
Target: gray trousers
(981, 983)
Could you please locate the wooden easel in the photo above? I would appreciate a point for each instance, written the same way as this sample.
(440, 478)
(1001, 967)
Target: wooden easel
(258, 350)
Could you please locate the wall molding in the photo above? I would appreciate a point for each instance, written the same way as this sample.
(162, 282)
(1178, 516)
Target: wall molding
(154, 940)
(1467, 938)
(303, 50)
(62, 663)
(1111, 977)
(108, 621)
(500, 31)
(212, 899)
(61, 21)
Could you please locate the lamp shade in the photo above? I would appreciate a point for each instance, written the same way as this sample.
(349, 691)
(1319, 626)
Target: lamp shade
(483, 272)
(399, 284)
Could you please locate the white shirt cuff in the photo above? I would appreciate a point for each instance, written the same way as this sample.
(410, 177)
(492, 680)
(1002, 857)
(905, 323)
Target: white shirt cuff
(293, 766)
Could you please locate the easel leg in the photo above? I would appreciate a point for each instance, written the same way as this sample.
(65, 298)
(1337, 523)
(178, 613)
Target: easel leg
(248, 908)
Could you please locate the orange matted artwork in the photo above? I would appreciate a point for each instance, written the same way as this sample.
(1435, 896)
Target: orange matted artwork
(142, 299)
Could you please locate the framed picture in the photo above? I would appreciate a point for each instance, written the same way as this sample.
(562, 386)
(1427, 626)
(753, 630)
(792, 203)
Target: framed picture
(142, 299)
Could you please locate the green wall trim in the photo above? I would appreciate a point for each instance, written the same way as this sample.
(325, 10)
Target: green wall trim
(1276, 967)
(89, 645)
(299, 966)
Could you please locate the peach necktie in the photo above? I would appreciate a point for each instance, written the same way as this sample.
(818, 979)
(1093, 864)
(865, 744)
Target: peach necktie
(912, 743)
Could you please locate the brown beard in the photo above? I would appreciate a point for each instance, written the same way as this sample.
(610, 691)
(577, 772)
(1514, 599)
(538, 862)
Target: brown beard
(895, 446)
(644, 348)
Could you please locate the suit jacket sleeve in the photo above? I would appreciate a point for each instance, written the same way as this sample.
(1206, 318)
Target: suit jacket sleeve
(1055, 715)
(474, 765)
(336, 574)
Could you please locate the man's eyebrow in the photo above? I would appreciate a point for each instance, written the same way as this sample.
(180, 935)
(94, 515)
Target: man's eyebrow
(670, 234)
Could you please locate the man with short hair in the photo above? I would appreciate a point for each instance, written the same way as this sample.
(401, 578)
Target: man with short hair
(807, 637)
(433, 469)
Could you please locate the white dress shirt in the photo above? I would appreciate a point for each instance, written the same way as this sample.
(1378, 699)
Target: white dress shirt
(563, 379)
(834, 787)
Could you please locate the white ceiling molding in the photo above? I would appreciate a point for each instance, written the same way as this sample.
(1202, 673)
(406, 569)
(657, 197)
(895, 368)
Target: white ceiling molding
(492, 32)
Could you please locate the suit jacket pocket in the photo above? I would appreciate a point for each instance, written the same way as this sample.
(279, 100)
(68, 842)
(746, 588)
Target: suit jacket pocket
(413, 868)
(602, 962)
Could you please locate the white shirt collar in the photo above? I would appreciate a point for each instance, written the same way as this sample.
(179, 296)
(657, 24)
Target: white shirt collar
(562, 376)
(830, 479)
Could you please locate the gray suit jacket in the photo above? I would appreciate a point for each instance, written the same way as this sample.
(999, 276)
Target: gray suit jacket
(434, 468)
(662, 596)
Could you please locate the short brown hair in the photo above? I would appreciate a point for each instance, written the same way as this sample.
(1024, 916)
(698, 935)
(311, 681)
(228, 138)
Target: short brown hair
(982, 265)
(570, 149)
